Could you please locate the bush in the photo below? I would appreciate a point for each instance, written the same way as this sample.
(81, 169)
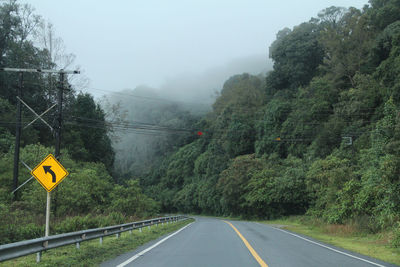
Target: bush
(78, 223)
(130, 201)
(16, 226)
(396, 236)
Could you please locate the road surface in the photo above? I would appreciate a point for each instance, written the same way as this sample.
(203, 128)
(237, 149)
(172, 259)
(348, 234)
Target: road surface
(214, 242)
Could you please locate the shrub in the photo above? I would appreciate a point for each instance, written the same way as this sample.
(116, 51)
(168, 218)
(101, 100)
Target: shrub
(396, 236)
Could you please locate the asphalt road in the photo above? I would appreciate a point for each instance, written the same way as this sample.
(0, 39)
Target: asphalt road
(214, 242)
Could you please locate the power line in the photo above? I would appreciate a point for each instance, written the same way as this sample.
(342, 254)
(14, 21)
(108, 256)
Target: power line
(149, 97)
(287, 111)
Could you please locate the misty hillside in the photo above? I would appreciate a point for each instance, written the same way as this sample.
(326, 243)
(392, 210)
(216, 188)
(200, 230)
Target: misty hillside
(179, 103)
(318, 136)
(204, 87)
(146, 129)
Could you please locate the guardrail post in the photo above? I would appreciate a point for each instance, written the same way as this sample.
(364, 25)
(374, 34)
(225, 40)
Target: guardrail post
(130, 231)
(38, 255)
(39, 245)
(117, 235)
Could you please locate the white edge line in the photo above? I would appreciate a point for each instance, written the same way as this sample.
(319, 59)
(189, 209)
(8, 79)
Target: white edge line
(149, 248)
(338, 251)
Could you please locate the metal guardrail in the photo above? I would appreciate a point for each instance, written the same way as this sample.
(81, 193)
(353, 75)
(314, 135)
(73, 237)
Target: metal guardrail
(38, 245)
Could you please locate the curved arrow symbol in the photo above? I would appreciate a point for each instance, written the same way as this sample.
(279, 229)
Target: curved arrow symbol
(48, 169)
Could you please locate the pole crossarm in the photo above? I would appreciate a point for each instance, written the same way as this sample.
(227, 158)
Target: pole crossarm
(30, 169)
(18, 127)
(26, 165)
(39, 117)
(15, 190)
(41, 70)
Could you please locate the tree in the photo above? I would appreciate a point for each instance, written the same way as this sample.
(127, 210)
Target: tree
(296, 55)
(86, 132)
(349, 30)
(130, 200)
(383, 12)
(233, 182)
(277, 189)
(387, 50)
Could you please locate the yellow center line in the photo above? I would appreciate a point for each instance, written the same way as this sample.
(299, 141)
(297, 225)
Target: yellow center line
(249, 247)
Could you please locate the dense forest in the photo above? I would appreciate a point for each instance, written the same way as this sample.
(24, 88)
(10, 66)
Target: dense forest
(318, 135)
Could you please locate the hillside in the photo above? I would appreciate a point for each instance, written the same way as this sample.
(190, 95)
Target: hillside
(318, 136)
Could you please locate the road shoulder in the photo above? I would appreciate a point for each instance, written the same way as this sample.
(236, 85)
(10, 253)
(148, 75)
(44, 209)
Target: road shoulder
(371, 245)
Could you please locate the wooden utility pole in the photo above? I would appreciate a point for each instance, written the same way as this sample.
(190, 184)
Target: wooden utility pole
(17, 133)
(18, 125)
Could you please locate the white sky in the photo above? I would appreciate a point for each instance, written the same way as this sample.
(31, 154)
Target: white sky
(124, 43)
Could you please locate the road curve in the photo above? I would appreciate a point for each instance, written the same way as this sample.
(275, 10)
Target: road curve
(214, 242)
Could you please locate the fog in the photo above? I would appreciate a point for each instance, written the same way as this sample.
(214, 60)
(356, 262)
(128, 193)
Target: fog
(204, 87)
(141, 53)
(172, 44)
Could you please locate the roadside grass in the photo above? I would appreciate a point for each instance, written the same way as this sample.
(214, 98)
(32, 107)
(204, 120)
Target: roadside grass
(344, 236)
(91, 253)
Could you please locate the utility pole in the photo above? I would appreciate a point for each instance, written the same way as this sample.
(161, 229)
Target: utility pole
(18, 125)
(59, 115)
(17, 133)
(58, 129)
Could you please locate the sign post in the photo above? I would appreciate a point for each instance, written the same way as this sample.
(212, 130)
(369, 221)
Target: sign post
(47, 230)
(49, 174)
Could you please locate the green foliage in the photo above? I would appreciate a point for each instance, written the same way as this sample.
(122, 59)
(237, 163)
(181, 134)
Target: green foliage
(383, 12)
(320, 135)
(388, 52)
(396, 238)
(130, 200)
(77, 223)
(7, 114)
(88, 190)
(278, 188)
(296, 56)
(344, 31)
(139, 151)
(269, 128)
(81, 113)
(233, 181)
(329, 182)
(325, 138)
(181, 166)
(92, 144)
(15, 226)
(87, 154)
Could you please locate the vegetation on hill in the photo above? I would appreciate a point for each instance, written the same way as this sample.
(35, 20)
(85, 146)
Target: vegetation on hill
(318, 136)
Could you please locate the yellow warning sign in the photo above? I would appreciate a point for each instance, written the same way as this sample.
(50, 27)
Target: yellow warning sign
(49, 172)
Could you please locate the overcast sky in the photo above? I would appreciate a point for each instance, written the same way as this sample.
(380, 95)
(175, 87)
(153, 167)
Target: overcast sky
(125, 43)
